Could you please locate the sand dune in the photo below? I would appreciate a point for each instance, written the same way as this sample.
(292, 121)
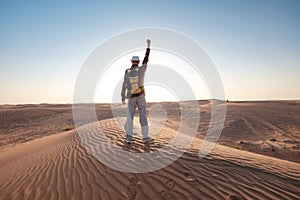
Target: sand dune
(268, 128)
(257, 156)
(60, 167)
(21, 123)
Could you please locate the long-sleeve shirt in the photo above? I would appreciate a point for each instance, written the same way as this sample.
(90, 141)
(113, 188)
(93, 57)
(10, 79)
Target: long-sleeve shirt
(142, 71)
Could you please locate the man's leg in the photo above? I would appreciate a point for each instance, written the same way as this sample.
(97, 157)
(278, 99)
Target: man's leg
(143, 116)
(129, 121)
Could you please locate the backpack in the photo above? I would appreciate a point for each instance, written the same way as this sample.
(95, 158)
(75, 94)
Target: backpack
(134, 82)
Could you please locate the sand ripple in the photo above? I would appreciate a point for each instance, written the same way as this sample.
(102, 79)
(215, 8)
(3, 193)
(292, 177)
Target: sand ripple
(60, 167)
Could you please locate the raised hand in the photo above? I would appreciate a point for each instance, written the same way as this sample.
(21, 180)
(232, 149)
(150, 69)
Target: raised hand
(148, 43)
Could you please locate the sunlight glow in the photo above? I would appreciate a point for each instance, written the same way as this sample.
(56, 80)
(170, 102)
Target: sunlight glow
(159, 93)
(110, 82)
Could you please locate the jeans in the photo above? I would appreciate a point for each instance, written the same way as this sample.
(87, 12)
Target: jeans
(140, 102)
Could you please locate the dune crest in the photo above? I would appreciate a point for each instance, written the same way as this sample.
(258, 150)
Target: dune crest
(60, 167)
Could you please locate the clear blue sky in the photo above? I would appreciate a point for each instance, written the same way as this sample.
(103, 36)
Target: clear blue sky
(255, 44)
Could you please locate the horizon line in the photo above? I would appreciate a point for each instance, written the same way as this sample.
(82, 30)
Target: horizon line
(227, 100)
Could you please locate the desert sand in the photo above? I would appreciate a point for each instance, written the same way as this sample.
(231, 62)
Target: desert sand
(257, 156)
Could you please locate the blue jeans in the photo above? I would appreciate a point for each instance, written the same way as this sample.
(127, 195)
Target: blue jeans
(134, 102)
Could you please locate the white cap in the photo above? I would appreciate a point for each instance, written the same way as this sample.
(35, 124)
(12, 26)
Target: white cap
(135, 58)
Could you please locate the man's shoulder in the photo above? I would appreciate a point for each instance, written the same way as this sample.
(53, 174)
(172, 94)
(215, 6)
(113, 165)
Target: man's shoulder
(133, 69)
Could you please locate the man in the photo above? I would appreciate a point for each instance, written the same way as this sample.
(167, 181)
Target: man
(134, 85)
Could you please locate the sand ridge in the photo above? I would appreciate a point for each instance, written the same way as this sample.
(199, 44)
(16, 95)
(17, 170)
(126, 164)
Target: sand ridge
(266, 127)
(60, 167)
(39, 160)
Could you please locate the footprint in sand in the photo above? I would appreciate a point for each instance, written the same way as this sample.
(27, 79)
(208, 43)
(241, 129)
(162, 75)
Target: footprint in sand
(189, 177)
(192, 179)
(134, 180)
(170, 184)
(234, 197)
(132, 190)
(164, 194)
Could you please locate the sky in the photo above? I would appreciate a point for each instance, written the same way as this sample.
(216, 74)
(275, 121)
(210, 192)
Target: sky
(255, 45)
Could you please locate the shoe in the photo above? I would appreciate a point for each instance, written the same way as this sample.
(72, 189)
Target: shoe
(127, 141)
(147, 140)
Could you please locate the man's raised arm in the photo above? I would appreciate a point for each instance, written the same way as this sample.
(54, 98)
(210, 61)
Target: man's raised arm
(146, 58)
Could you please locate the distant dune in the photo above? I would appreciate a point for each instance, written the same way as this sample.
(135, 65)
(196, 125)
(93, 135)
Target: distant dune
(40, 160)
